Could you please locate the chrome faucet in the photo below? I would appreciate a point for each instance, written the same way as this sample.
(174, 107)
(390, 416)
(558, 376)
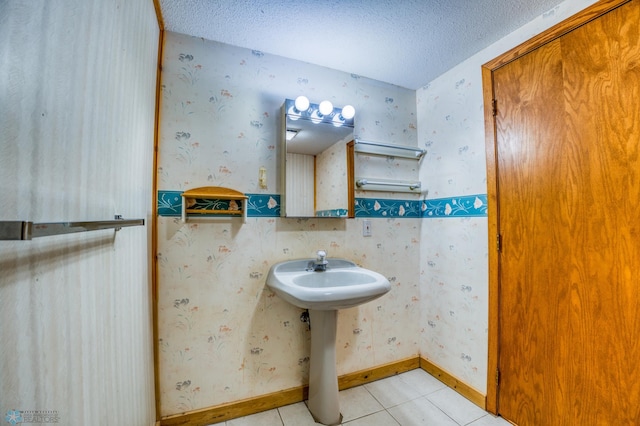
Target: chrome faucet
(320, 264)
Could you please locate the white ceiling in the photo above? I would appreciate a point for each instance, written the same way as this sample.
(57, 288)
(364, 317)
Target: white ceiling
(404, 42)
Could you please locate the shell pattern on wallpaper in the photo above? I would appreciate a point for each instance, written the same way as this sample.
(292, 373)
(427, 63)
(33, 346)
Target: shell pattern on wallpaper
(222, 335)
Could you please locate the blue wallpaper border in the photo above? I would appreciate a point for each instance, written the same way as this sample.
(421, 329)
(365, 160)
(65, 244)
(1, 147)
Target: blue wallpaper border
(383, 208)
(460, 206)
(263, 205)
(169, 203)
(333, 213)
(258, 205)
(268, 205)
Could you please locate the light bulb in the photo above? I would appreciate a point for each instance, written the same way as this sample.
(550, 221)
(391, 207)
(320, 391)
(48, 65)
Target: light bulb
(293, 113)
(325, 107)
(348, 112)
(302, 103)
(338, 120)
(316, 116)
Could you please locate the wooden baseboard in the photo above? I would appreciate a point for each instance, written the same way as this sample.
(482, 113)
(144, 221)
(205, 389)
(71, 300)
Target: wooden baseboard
(450, 380)
(235, 409)
(376, 373)
(270, 401)
(260, 403)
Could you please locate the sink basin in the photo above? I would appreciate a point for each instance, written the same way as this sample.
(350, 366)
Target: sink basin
(342, 285)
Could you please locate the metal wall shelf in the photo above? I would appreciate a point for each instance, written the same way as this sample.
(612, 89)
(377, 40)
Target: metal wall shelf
(389, 150)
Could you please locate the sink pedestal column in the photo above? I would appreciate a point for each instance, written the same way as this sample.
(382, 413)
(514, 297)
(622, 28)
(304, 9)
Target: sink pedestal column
(323, 378)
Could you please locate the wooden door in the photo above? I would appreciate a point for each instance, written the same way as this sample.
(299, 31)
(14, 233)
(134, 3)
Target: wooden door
(568, 193)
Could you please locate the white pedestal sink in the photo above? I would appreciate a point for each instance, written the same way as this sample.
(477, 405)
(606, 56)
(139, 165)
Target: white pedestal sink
(341, 285)
(323, 378)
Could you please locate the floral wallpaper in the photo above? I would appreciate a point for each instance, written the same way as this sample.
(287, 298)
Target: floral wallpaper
(453, 263)
(222, 335)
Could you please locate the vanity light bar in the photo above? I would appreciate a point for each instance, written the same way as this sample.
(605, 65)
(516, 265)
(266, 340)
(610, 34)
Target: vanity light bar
(384, 185)
(390, 150)
(324, 112)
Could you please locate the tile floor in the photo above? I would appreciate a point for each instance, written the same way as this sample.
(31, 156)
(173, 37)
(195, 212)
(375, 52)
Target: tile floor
(411, 398)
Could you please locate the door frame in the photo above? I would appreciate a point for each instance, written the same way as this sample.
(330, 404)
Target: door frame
(590, 13)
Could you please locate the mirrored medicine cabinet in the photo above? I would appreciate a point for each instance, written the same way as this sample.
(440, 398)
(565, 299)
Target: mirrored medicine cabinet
(317, 161)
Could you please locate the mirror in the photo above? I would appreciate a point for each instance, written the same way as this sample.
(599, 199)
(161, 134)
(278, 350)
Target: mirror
(317, 162)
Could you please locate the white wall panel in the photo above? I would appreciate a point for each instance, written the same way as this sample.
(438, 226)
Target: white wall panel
(77, 106)
(300, 185)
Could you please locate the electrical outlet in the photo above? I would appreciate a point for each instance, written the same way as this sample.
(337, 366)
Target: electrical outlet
(366, 228)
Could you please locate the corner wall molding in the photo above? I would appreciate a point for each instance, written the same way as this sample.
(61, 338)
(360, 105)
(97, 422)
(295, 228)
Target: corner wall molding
(469, 392)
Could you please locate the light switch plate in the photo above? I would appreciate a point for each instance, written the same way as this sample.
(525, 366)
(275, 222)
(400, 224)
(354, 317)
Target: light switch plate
(366, 228)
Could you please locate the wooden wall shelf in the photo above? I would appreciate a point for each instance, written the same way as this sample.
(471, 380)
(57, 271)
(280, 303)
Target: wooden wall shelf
(213, 193)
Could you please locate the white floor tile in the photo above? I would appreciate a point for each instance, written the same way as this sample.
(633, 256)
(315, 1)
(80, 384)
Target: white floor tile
(490, 420)
(357, 402)
(422, 381)
(456, 406)
(420, 412)
(296, 415)
(266, 418)
(414, 398)
(381, 418)
(392, 391)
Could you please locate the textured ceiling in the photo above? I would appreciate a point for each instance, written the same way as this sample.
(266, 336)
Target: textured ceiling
(403, 42)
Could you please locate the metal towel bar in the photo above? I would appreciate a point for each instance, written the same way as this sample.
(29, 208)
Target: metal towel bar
(389, 149)
(23, 230)
(411, 186)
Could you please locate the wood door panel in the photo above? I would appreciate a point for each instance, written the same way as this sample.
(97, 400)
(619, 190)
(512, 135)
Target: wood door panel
(531, 187)
(568, 191)
(602, 90)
